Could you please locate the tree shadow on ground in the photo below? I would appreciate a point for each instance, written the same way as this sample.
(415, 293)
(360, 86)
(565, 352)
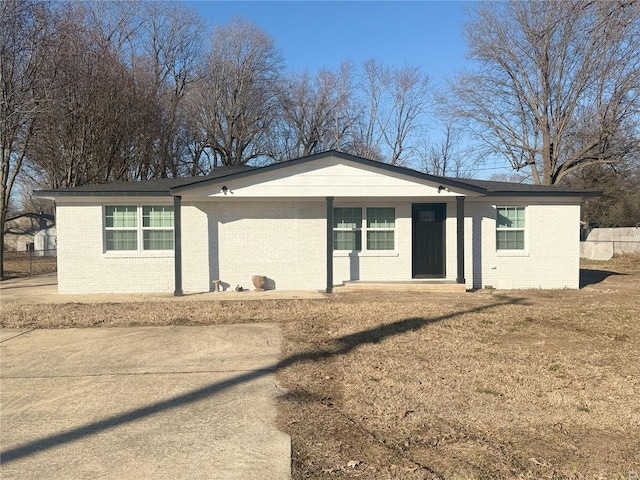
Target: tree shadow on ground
(337, 347)
(592, 277)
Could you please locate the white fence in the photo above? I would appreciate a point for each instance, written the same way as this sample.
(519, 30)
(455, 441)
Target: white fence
(604, 243)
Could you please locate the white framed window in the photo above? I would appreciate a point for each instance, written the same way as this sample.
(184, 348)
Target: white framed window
(138, 228)
(381, 224)
(157, 228)
(377, 226)
(510, 228)
(121, 227)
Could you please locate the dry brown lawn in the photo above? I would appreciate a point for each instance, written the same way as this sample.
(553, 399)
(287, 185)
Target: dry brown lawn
(490, 384)
(22, 264)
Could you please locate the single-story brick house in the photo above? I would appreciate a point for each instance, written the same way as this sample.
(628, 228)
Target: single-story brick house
(314, 223)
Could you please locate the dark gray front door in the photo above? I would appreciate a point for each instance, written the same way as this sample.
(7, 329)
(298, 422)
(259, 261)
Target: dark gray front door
(428, 239)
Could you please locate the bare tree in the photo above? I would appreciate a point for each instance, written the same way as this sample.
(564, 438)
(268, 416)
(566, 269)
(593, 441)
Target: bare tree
(556, 88)
(397, 101)
(443, 157)
(408, 87)
(316, 114)
(198, 159)
(160, 45)
(22, 36)
(449, 155)
(88, 133)
(619, 205)
(169, 55)
(115, 25)
(510, 176)
(366, 137)
(115, 77)
(235, 102)
(346, 113)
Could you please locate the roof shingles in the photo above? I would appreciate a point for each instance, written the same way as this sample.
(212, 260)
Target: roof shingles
(170, 186)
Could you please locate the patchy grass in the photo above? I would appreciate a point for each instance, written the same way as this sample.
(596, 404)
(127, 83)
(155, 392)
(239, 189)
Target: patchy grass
(619, 263)
(517, 384)
(433, 393)
(23, 264)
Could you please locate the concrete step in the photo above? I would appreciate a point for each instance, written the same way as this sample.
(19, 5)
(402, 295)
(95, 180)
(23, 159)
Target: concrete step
(407, 286)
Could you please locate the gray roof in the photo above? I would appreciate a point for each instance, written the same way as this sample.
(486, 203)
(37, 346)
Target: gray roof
(508, 189)
(171, 186)
(146, 188)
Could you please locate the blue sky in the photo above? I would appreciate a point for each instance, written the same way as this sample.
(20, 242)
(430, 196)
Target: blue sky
(312, 35)
(322, 34)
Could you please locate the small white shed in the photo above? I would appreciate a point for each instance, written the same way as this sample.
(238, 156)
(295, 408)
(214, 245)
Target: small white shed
(45, 243)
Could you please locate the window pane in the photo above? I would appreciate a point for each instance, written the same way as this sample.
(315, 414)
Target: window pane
(519, 218)
(380, 240)
(510, 217)
(510, 239)
(503, 220)
(347, 217)
(381, 217)
(121, 216)
(122, 240)
(347, 240)
(158, 239)
(157, 217)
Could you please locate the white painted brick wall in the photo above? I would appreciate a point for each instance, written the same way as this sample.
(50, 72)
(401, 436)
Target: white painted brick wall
(84, 266)
(451, 246)
(198, 231)
(470, 212)
(552, 255)
(285, 241)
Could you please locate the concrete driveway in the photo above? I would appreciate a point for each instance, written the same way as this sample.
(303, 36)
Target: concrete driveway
(154, 402)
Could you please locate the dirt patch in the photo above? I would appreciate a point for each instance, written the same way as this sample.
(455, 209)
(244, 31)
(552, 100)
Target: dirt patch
(491, 384)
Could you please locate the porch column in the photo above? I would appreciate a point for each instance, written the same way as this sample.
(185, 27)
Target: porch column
(329, 244)
(177, 250)
(460, 238)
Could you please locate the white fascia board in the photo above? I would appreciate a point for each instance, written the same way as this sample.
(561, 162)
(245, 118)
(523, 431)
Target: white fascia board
(328, 178)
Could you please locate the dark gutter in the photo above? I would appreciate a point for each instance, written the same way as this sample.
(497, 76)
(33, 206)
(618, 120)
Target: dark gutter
(96, 193)
(544, 193)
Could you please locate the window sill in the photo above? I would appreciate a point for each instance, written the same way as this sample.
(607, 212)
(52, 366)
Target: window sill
(370, 253)
(512, 253)
(139, 254)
